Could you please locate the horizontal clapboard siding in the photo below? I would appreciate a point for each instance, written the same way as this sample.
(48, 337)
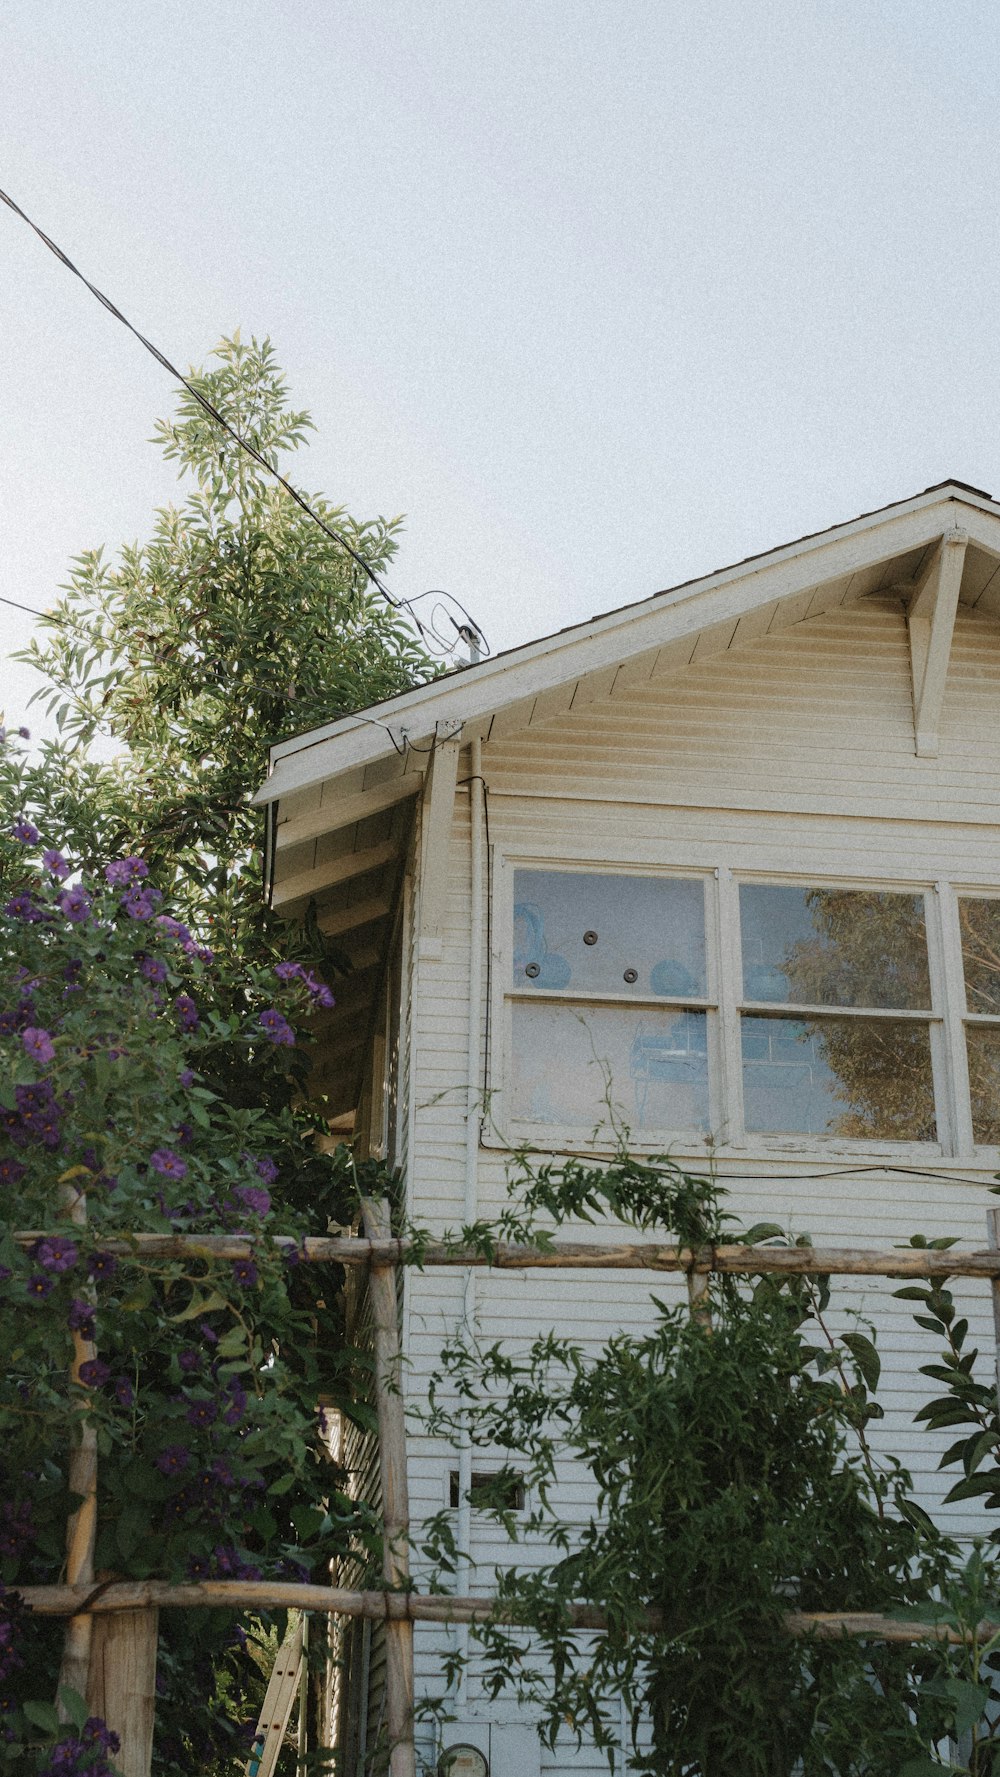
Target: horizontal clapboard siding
(792, 751)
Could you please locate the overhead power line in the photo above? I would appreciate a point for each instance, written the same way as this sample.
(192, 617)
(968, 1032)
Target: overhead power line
(243, 443)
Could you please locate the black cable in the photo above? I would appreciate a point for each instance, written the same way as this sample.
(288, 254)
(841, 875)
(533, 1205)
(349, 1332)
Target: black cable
(244, 444)
(16, 605)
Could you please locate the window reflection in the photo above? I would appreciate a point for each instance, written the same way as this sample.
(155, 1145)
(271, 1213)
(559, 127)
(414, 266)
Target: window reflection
(864, 1078)
(834, 947)
(568, 1061)
(979, 920)
(983, 1048)
(597, 933)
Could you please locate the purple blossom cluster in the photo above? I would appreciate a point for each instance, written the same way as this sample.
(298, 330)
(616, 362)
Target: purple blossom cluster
(319, 993)
(17, 1529)
(84, 1754)
(36, 1117)
(276, 1028)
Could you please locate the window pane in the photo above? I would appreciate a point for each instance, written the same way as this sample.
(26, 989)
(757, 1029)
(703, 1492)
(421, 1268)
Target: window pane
(869, 1078)
(656, 1062)
(980, 923)
(834, 947)
(983, 1043)
(609, 934)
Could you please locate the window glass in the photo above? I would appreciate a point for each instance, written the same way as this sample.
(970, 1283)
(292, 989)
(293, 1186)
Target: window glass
(594, 933)
(865, 1078)
(569, 1060)
(980, 923)
(983, 1046)
(834, 947)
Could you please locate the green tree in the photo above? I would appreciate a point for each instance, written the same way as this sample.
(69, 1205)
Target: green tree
(238, 624)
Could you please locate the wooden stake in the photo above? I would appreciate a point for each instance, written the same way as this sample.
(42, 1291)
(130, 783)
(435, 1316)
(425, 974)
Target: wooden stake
(399, 1682)
(122, 1684)
(81, 1526)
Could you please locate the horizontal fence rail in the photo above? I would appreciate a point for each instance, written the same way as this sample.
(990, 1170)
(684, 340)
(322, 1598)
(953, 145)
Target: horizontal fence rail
(415, 1607)
(735, 1261)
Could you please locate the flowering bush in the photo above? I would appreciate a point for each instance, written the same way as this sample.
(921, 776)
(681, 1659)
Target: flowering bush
(145, 1090)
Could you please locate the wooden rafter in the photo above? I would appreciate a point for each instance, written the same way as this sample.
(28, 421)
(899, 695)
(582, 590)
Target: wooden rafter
(331, 815)
(931, 625)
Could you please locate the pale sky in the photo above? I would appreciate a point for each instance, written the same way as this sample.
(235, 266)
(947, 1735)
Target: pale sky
(602, 294)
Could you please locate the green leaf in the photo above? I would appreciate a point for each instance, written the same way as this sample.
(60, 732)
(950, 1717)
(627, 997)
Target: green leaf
(73, 1705)
(762, 1231)
(43, 1715)
(865, 1356)
(969, 1700)
(200, 1304)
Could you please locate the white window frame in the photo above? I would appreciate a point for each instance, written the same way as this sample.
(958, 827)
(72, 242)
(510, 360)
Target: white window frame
(946, 1020)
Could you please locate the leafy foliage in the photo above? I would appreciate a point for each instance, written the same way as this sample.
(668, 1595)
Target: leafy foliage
(735, 1483)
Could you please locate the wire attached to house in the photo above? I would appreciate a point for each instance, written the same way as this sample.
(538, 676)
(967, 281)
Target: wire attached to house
(429, 634)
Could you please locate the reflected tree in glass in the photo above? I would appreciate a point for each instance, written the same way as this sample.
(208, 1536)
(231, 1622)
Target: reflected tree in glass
(851, 948)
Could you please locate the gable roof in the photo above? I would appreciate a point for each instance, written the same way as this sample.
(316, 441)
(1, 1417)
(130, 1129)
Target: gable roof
(341, 796)
(877, 552)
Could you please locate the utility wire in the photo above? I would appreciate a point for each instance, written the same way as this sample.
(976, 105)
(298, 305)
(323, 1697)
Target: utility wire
(244, 444)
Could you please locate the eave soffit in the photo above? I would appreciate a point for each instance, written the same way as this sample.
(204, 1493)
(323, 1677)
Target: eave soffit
(892, 552)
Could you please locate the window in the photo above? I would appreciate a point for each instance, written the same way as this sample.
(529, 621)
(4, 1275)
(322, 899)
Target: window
(835, 1013)
(758, 1011)
(609, 985)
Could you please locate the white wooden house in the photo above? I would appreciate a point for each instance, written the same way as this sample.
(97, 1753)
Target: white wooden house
(656, 838)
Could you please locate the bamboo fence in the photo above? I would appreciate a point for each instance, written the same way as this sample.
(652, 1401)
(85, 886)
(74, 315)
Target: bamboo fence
(136, 1602)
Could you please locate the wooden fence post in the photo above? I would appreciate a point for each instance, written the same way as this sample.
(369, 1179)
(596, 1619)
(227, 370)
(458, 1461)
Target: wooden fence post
(399, 1686)
(81, 1526)
(122, 1684)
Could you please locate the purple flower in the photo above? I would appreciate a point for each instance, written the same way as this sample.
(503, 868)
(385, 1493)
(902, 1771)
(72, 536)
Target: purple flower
(55, 864)
(173, 928)
(38, 1044)
(125, 871)
(266, 1169)
(102, 1265)
(255, 1199)
(288, 971)
(55, 1253)
(23, 907)
(208, 1333)
(189, 1360)
(202, 1413)
(141, 903)
(124, 1392)
(25, 733)
(277, 1028)
(222, 1472)
(80, 1318)
(244, 1270)
(173, 1459)
(324, 996)
(11, 1170)
(75, 903)
(25, 831)
(238, 1396)
(165, 1161)
(187, 1011)
(40, 1286)
(94, 1373)
(95, 1732)
(153, 968)
(186, 1078)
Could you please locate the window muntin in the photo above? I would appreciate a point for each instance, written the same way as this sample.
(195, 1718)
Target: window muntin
(979, 927)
